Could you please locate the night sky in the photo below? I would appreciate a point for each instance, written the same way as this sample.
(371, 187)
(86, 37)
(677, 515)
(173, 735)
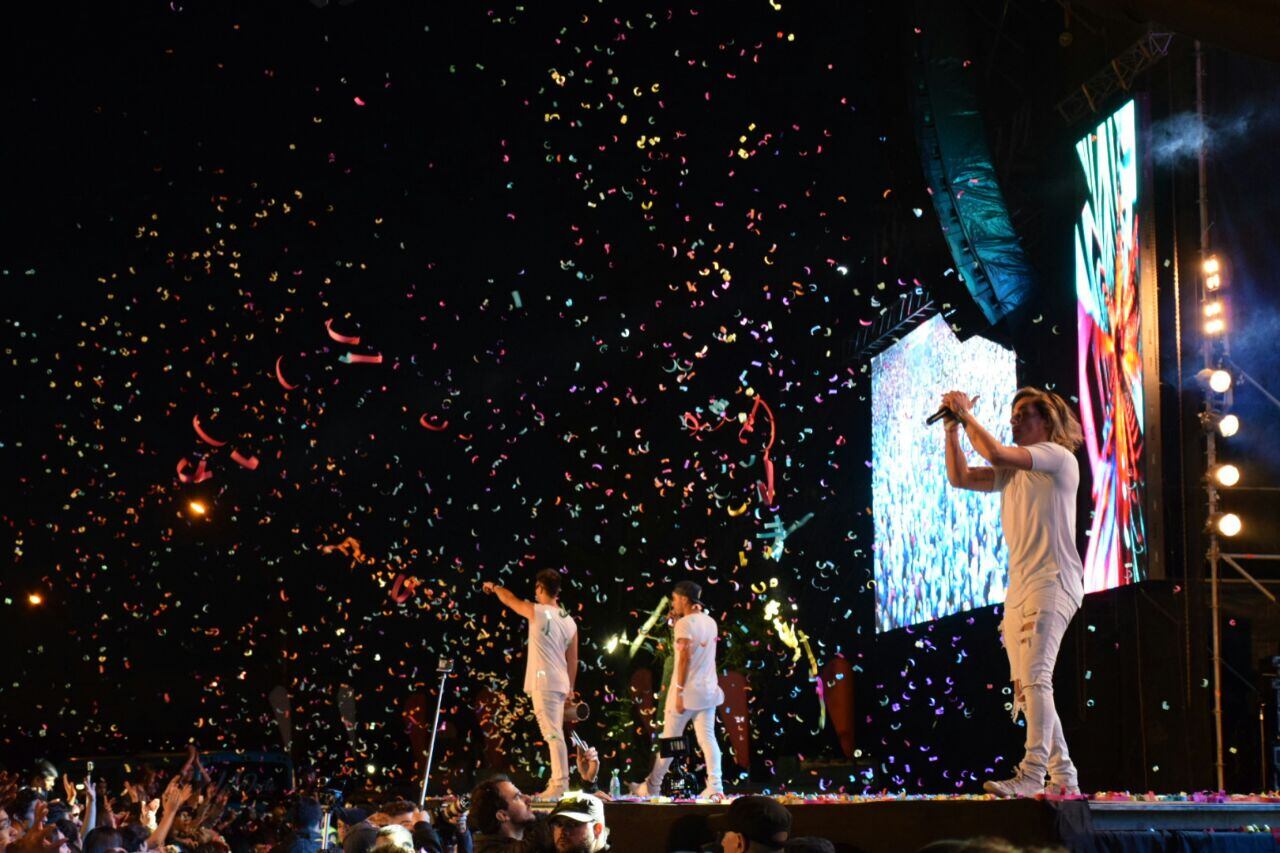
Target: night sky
(412, 296)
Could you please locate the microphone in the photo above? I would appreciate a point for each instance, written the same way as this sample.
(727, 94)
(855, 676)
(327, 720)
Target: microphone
(944, 412)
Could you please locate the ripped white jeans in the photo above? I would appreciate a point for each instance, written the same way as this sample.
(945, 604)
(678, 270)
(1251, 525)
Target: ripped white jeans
(704, 729)
(1032, 633)
(548, 708)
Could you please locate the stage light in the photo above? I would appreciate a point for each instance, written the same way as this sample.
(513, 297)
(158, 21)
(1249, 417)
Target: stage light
(1212, 309)
(197, 507)
(1228, 425)
(35, 599)
(370, 769)
(1211, 265)
(1213, 282)
(1216, 379)
(1226, 475)
(1227, 524)
(1214, 326)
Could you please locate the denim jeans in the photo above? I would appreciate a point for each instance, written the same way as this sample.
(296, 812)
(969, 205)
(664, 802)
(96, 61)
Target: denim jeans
(548, 707)
(1032, 633)
(704, 729)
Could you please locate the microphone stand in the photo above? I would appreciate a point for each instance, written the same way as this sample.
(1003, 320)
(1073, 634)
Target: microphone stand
(444, 668)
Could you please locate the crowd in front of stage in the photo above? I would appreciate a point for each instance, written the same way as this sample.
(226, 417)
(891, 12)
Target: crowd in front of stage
(43, 812)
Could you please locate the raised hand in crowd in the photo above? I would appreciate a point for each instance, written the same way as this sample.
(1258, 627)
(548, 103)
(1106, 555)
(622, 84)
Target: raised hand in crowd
(39, 837)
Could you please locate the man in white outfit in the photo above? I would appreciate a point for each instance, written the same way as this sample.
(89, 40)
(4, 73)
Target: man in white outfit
(552, 668)
(1037, 480)
(694, 693)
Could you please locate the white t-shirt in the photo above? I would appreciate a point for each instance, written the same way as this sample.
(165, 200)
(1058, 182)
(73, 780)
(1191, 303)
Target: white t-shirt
(551, 630)
(1038, 517)
(701, 684)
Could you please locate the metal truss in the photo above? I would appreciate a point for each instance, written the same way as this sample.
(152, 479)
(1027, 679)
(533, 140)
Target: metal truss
(1118, 75)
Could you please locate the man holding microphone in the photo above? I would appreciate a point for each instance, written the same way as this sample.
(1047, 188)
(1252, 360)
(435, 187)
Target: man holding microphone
(694, 692)
(1037, 479)
(552, 668)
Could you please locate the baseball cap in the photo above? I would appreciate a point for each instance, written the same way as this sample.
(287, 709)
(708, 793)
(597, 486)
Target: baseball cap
(689, 590)
(582, 808)
(760, 819)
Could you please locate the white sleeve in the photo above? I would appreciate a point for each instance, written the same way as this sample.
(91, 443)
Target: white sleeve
(1047, 457)
(684, 631)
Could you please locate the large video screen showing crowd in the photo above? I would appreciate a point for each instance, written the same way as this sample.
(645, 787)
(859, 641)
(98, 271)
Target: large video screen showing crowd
(938, 550)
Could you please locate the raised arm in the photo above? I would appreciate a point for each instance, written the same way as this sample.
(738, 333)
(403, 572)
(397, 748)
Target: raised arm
(174, 796)
(510, 599)
(999, 455)
(959, 474)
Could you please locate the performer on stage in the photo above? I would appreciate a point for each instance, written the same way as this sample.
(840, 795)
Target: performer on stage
(694, 692)
(552, 668)
(1037, 480)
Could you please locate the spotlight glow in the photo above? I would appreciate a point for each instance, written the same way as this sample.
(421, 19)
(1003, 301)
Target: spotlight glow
(35, 599)
(1226, 475)
(197, 507)
(1220, 381)
(1229, 425)
(1212, 309)
(1214, 326)
(1229, 524)
(1213, 282)
(1211, 265)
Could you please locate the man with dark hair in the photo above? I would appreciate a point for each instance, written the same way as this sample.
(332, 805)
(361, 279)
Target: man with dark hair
(552, 667)
(503, 821)
(694, 692)
(753, 825)
(306, 819)
(103, 839)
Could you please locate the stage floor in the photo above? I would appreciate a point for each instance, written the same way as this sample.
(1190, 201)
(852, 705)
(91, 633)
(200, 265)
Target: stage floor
(901, 825)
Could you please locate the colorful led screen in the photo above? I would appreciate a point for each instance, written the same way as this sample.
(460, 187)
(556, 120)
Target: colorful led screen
(1110, 351)
(938, 550)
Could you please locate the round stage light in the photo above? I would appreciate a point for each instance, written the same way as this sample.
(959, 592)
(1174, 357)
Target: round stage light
(1212, 309)
(1214, 326)
(1226, 475)
(197, 507)
(35, 599)
(1220, 381)
(1211, 265)
(1229, 524)
(1229, 425)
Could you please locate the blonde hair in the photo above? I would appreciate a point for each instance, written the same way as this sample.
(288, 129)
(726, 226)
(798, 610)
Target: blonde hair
(1064, 426)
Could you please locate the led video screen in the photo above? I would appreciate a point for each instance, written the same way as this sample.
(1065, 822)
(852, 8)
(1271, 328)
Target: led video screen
(938, 550)
(1111, 356)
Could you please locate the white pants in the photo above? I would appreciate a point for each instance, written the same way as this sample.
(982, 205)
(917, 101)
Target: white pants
(704, 729)
(548, 707)
(1032, 633)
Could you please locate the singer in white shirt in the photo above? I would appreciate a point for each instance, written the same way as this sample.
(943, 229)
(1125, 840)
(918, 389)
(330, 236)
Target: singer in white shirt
(694, 693)
(1037, 480)
(552, 668)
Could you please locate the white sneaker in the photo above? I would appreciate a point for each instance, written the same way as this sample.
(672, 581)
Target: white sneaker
(1058, 788)
(550, 794)
(1019, 786)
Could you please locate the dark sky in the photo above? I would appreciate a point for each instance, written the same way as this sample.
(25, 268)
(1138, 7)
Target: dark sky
(561, 228)
(578, 235)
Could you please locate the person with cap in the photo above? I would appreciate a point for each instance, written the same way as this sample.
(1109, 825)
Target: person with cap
(577, 822)
(753, 825)
(552, 667)
(694, 692)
